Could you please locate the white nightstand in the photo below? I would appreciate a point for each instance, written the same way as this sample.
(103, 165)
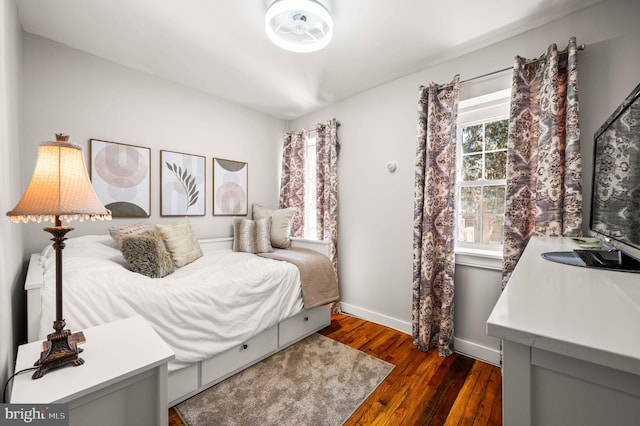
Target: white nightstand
(122, 382)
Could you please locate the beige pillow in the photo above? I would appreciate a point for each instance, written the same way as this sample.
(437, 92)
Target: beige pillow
(181, 242)
(281, 222)
(118, 233)
(252, 236)
(147, 254)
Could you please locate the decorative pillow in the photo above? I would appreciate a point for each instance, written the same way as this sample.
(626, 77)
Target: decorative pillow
(252, 236)
(147, 254)
(263, 235)
(181, 242)
(118, 233)
(281, 222)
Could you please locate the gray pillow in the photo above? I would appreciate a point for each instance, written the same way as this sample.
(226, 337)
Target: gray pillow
(147, 254)
(252, 236)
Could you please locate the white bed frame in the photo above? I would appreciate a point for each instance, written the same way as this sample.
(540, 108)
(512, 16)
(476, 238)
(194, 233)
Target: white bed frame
(197, 377)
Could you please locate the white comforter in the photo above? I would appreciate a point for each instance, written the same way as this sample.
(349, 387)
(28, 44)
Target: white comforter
(204, 308)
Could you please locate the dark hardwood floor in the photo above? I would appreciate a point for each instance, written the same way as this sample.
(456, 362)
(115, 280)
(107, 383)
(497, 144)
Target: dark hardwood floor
(423, 388)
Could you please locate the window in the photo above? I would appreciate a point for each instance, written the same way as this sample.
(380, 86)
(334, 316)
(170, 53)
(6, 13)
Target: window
(310, 215)
(481, 171)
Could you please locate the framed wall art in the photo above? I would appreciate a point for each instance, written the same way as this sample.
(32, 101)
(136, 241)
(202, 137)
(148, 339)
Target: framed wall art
(120, 175)
(230, 192)
(182, 184)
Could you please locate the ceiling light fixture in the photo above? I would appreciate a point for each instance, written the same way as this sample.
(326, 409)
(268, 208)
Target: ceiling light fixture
(299, 25)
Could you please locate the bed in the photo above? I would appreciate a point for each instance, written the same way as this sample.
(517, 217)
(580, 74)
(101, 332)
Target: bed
(220, 313)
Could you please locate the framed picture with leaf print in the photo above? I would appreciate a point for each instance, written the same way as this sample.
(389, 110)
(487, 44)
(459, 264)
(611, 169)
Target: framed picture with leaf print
(182, 184)
(230, 187)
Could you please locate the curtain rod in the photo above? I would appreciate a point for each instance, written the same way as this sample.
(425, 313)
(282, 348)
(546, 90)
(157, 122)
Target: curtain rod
(532, 61)
(312, 130)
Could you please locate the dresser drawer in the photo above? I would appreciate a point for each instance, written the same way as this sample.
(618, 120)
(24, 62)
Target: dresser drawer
(303, 324)
(182, 382)
(235, 358)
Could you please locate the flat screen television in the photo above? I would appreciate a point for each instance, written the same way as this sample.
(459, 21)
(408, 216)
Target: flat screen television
(615, 196)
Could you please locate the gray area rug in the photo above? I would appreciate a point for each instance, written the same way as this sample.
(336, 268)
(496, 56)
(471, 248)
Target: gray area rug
(316, 381)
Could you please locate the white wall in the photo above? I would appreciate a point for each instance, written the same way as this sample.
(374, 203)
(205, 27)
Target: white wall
(72, 92)
(376, 208)
(11, 245)
(68, 91)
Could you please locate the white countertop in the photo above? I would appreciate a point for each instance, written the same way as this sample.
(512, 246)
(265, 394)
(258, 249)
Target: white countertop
(585, 313)
(113, 352)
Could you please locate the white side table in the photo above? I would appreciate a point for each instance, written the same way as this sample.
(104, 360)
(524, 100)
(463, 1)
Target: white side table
(122, 382)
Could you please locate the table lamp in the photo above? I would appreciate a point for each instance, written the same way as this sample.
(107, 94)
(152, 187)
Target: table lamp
(59, 189)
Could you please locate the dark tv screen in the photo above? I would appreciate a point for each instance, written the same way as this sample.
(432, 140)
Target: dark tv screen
(615, 201)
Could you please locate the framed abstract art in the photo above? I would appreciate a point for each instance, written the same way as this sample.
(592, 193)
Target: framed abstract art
(120, 175)
(182, 184)
(230, 192)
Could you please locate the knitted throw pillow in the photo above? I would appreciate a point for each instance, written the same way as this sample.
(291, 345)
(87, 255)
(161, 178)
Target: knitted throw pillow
(119, 233)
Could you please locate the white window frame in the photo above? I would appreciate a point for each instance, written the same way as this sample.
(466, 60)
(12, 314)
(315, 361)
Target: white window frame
(482, 109)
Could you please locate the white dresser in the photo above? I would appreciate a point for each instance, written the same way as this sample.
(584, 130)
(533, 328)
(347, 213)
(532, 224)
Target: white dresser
(122, 382)
(571, 342)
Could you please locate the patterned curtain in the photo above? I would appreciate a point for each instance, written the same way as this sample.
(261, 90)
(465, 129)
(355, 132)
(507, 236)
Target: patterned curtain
(544, 166)
(434, 218)
(292, 181)
(327, 147)
(327, 186)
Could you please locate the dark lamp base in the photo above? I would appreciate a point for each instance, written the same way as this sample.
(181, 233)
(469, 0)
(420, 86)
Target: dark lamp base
(59, 351)
(61, 347)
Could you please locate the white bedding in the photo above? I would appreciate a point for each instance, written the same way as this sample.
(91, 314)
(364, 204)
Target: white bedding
(204, 308)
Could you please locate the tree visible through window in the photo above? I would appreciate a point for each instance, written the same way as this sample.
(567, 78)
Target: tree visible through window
(482, 161)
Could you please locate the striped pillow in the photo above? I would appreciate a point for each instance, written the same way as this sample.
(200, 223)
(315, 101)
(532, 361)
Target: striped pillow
(252, 236)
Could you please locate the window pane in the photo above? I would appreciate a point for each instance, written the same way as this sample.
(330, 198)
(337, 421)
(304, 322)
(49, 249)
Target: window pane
(492, 229)
(472, 138)
(496, 165)
(494, 199)
(496, 135)
(469, 229)
(470, 199)
(472, 167)
(483, 130)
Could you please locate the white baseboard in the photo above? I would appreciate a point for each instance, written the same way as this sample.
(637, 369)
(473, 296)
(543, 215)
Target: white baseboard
(465, 347)
(474, 350)
(368, 315)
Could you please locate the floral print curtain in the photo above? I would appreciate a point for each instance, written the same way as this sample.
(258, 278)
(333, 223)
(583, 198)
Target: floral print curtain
(327, 186)
(327, 148)
(544, 165)
(434, 218)
(292, 180)
(292, 184)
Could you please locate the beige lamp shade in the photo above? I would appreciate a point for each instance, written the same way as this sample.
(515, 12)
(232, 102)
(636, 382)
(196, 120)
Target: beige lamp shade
(60, 187)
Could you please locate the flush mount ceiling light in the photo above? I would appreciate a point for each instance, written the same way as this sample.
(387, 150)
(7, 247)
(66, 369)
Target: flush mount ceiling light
(298, 25)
